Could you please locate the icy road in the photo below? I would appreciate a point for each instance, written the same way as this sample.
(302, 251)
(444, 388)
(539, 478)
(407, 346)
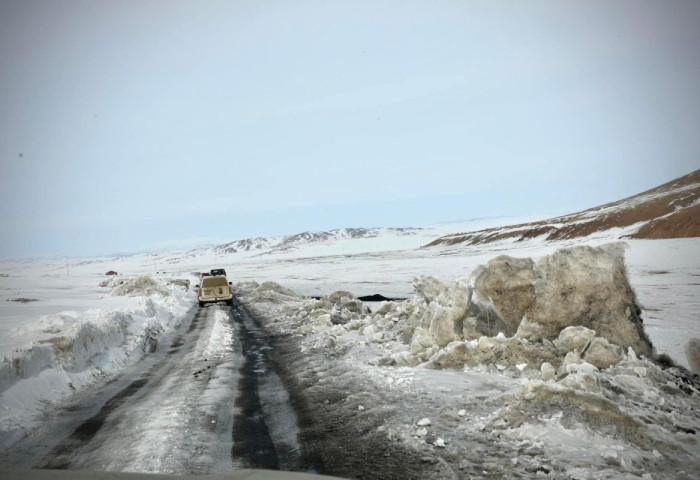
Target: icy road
(206, 401)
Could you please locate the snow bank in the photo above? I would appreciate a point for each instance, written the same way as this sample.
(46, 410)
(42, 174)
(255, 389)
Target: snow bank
(634, 417)
(583, 285)
(143, 285)
(83, 346)
(577, 299)
(134, 286)
(510, 313)
(565, 327)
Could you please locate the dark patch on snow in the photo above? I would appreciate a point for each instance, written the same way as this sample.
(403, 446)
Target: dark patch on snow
(60, 456)
(177, 343)
(195, 322)
(378, 298)
(375, 297)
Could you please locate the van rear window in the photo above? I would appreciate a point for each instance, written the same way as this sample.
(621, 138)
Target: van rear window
(214, 282)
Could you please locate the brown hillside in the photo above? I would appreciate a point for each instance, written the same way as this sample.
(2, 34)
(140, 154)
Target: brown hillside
(671, 210)
(681, 224)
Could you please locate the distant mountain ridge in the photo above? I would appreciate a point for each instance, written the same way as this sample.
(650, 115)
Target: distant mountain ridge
(270, 245)
(671, 210)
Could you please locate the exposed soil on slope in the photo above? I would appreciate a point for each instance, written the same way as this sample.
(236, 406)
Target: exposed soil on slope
(668, 211)
(681, 224)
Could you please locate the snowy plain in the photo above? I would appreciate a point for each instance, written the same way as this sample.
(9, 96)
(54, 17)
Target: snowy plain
(114, 330)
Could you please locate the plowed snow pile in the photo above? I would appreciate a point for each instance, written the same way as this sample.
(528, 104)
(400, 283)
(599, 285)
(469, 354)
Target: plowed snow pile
(526, 368)
(134, 286)
(73, 349)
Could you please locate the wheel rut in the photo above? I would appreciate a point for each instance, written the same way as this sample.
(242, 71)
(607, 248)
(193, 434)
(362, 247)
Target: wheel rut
(266, 432)
(215, 397)
(64, 454)
(251, 438)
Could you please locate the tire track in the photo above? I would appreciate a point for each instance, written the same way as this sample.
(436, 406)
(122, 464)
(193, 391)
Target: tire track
(71, 449)
(251, 438)
(267, 432)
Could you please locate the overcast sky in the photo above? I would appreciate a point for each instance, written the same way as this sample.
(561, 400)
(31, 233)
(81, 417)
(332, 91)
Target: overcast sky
(127, 124)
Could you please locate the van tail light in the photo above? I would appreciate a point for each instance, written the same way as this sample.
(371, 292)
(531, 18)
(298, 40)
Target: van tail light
(230, 289)
(200, 292)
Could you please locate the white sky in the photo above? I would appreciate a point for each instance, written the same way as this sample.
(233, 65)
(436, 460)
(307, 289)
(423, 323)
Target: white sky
(125, 124)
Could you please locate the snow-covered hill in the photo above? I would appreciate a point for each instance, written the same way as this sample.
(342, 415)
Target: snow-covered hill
(671, 210)
(339, 242)
(346, 241)
(268, 246)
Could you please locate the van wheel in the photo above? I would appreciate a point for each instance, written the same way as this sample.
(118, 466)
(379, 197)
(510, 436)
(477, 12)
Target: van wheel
(201, 304)
(229, 302)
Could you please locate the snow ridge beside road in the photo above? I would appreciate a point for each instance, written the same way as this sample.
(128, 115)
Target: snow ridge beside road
(492, 406)
(72, 349)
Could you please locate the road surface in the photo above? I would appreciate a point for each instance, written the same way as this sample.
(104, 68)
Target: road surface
(207, 400)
